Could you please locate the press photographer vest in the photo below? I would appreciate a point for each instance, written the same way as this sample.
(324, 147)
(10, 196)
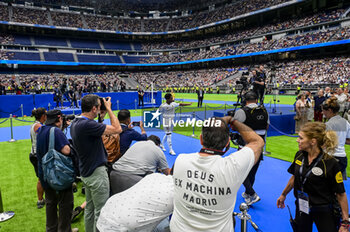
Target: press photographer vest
(256, 118)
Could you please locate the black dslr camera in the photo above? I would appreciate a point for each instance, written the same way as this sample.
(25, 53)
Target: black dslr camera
(103, 107)
(66, 118)
(235, 137)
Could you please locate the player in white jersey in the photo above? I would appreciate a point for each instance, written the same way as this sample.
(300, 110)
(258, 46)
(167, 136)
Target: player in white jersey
(168, 111)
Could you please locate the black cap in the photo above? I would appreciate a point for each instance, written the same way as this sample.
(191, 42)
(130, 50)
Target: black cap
(250, 96)
(52, 116)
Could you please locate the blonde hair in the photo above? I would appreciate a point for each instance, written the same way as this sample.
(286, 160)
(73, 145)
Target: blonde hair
(331, 103)
(327, 140)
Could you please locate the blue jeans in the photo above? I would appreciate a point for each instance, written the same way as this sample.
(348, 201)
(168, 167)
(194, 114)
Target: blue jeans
(97, 193)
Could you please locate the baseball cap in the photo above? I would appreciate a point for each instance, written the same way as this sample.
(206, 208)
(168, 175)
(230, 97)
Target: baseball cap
(52, 116)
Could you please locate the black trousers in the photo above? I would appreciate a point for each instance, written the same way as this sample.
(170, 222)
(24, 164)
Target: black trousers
(260, 91)
(140, 101)
(323, 218)
(200, 101)
(64, 200)
(249, 181)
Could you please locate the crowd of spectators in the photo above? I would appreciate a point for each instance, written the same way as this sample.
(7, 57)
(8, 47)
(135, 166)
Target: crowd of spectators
(155, 25)
(4, 13)
(181, 78)
(6, 55)
(284, 42)
(247, 32)
(317, 71)
(124, 24)
(126, 5)
(70, 19)
(39, 83)
(67, 20)
(100, 23)
(298, 72)
(6, 39)
(31, 16)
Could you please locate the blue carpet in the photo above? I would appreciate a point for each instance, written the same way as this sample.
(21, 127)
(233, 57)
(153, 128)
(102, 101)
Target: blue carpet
(271, 179)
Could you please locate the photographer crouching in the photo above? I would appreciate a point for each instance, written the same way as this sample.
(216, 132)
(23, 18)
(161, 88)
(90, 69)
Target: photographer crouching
(256, 117)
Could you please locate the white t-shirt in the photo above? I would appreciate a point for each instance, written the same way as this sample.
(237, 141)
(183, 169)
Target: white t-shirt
(342, 128)
(139, 208)
(206, 189)
(168, 110)
(140, 158)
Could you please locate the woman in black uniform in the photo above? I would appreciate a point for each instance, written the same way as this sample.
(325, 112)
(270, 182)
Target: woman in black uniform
(317, 182)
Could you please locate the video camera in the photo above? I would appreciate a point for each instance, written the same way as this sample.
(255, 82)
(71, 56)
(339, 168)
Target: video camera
(243, 80)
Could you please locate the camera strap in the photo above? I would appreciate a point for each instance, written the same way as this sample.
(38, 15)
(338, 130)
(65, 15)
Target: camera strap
(213, 151)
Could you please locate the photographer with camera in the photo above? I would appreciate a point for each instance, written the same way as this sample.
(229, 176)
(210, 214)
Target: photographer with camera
(87, 139)
(206, 183)
(63, 198)
(141, 159)
(129, 134)
(257, 118)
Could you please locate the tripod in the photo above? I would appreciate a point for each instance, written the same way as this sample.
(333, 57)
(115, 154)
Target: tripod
(245, 218)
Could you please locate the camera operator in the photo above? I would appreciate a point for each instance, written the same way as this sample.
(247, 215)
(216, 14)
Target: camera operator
(206, 183)
(87, 139)
(129, 134)
(259, 78)
(256, 117)
(63, 198)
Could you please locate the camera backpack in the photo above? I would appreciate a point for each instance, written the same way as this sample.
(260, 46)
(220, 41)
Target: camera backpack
(58, 169)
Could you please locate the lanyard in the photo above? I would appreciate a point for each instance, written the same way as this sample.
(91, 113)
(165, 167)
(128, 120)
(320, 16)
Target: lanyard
(213, 151)
(308, 173)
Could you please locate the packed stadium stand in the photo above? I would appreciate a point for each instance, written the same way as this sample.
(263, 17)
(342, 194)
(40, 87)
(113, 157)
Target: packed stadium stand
(321, 27)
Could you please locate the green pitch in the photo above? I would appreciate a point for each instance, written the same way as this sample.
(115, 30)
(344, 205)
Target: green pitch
(18, 180)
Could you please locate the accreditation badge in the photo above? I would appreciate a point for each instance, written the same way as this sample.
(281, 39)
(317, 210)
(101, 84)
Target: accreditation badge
(303, 201)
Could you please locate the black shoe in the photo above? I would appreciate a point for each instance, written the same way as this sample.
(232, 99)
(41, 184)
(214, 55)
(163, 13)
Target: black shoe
(76, 212)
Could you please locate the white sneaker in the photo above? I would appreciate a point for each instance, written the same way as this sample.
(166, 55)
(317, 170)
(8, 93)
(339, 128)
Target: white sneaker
(245, 196)
(253, 199)
(172, 152)
(162, 147)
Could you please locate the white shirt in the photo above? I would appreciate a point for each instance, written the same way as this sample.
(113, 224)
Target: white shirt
(139, 208)
(140, 158)
(341, 101)
(206, 189)
(168, 110)
(342, 128)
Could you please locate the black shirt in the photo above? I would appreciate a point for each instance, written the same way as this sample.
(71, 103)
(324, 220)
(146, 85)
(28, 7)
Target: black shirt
(86, 135)
(324, 180)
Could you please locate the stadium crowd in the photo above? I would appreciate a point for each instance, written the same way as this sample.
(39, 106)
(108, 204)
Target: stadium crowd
(247, 32)
(67, 20)
(298, 72)
(284, 42)
(32, 16)
(40, 83)
(72, 19)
